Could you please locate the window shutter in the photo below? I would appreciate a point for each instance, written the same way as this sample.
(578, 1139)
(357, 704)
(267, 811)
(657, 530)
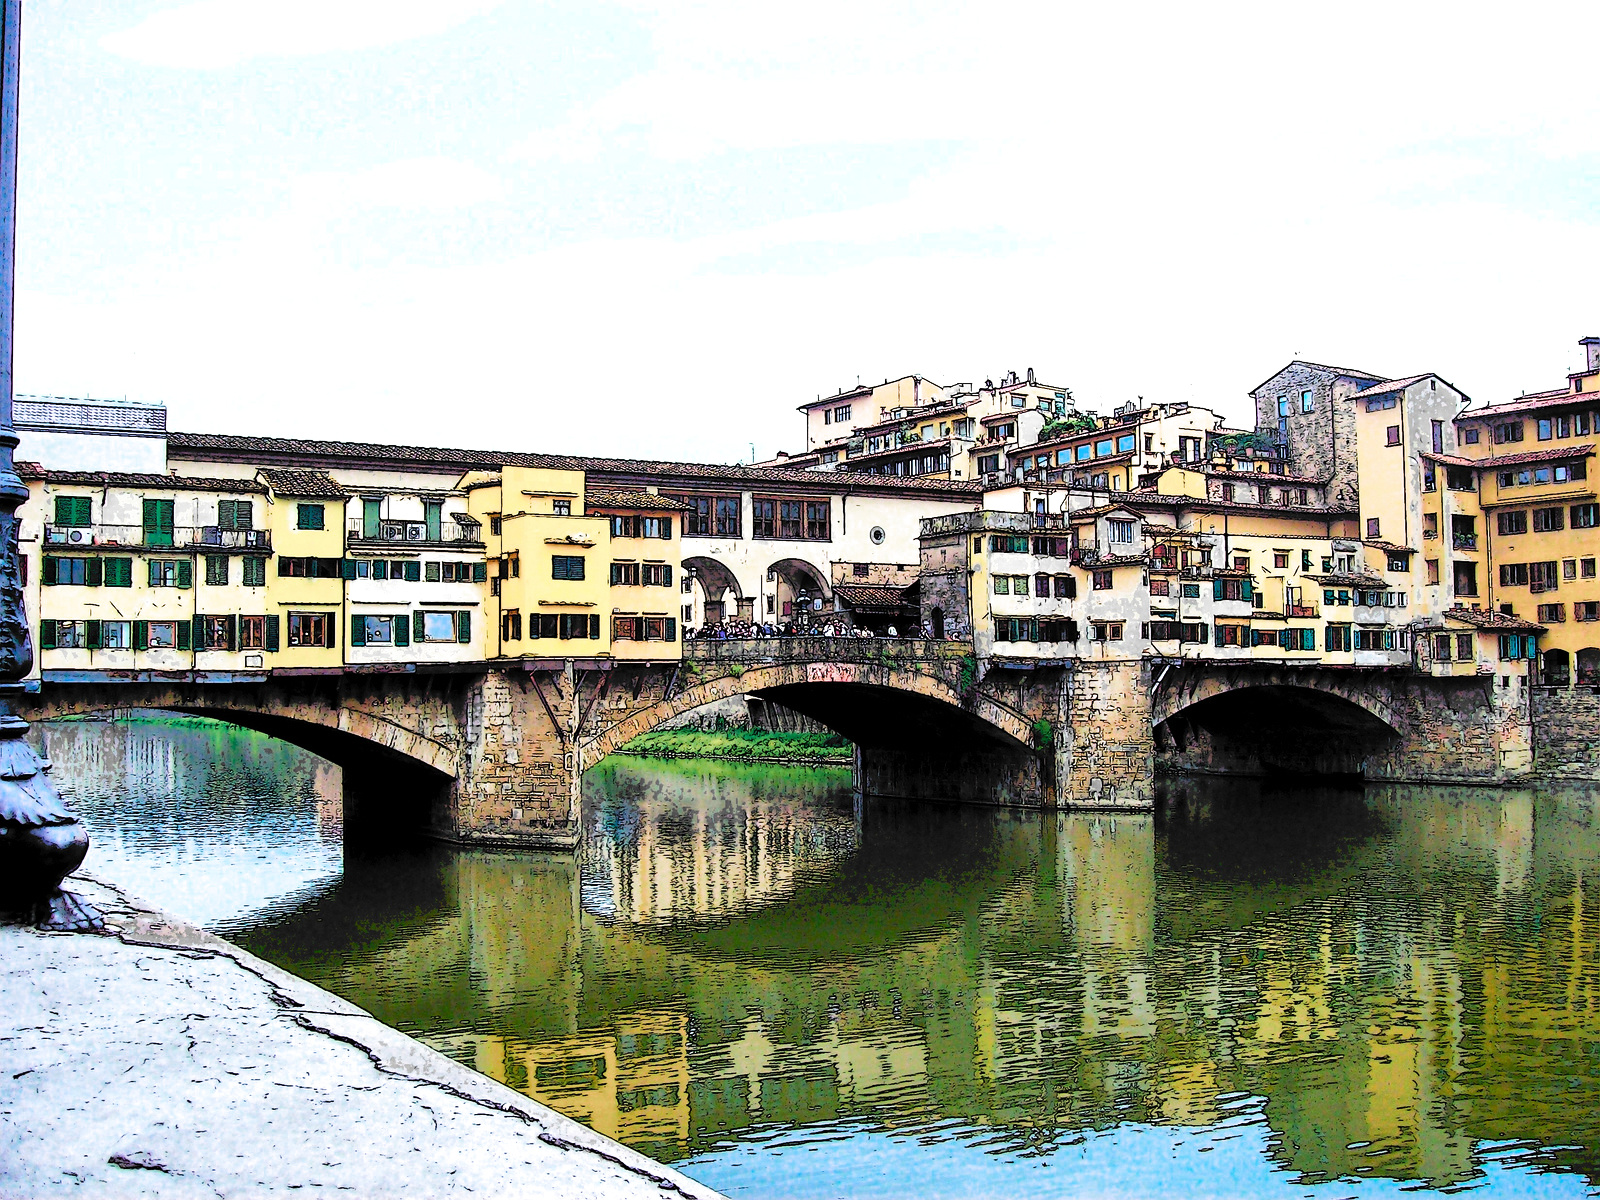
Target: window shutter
(332, 627)
(666, 528)
(402, 630)
(416, 626)
(672, 629)
(347, 568)
(432, 574)
(594, 626)
(92, 572)
(413, 571)
(199, 638)
(1247, 592)
(47, 635)
(1216, 592)
(93, 631)
(184, 642)
(185, 573)
(666, 574)
(151, 521)
(480, 572)
(154, 574)
(233, 633)
(464, 625)
(270, 631)
(1217, 631)
(358, 630)
(47, 572)
(141, 635)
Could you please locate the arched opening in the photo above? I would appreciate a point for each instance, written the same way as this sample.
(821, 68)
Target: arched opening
(936, 618)
(796, 591)
(1555, 668)
(1272, 730)
(1589, 665)
(715, 594)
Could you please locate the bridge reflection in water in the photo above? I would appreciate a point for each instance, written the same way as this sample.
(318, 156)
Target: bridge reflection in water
(739, 954)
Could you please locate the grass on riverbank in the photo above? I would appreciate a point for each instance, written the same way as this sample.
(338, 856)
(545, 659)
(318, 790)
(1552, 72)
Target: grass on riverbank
(747, 745)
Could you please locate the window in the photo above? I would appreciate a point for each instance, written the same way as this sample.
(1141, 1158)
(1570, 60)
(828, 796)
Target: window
(1542, 577)
(69, 570)
(566, 566)
(1466, 578)
(168, 572)
(1307, 402)
(1569, 568)
(567, 626)
(72, 511)
(511, 625)
(1002, 585)
(1513, 574)
(1586, 567)
(625, 527)
(657, 575)
(215, 633)
(1122, 531)
(1372, 527)
(1586, 610)
(1102, 580)
(1515, 646)
(1548, 520)
(1125, 444)
(1391, 435)
(216, 570)
(1231, 635)
(1508, 431)
(307, 516)
(818, 520)
(157, 522)
(1106, 631)
(1280, 559)
(1304, 638)
(1585, 516)
(1438, 437)
(1336, 638)
(116, 635)
(1066, 587)
(443, 626)
(842, 413)
(1008, 543)
(494, 524)
(1469, 436)
(1227, 492)
(1191, 591)
(1231, 589)
(1430, 475)
(789, 519)
(1283, 406)
(988, 464)
(765, 518)
(235, 514)
(253, 633)
(1552, 614)
(308, 628)
(1461, 479)
(624, 574)
(1511, 522)
(255, 572)
(1375, 639)
(1381, 402)
(163, 635)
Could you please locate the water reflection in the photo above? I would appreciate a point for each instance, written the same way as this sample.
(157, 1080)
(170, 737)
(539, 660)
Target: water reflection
(1256, 991)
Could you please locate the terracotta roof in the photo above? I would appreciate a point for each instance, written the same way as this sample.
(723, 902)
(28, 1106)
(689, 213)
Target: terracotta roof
(1552, 454)
(860, 595)
(1116, 560)
(313, 484)
(1390, 547)
(594, 498)
(1342, 579)
(1142, 496)
(1555, 398)
(1399, 385)
(309, 452)
(1269, 477)
(177, 483)
(1483, 618)
(1100, 510)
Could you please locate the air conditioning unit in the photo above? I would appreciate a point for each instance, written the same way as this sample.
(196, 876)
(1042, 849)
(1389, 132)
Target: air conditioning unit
(392, 531)
(77, 536)
(416, 533)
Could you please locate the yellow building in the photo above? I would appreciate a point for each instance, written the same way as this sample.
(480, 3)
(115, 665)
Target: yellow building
(305, 516)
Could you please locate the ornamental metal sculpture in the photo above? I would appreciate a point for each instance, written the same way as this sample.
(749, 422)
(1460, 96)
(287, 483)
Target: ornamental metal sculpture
(41, 842)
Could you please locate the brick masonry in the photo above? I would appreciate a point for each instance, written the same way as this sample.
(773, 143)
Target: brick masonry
(1565, 721)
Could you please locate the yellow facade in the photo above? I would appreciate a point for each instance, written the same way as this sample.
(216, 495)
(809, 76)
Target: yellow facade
(305, 586)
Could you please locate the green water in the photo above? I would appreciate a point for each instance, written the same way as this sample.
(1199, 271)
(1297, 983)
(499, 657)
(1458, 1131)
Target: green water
(786, 992)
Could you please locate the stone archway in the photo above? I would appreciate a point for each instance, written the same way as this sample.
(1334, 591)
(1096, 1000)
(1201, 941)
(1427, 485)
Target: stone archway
(716, 583)
(798, 588)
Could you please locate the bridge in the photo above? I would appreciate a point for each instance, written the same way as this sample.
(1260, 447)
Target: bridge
(495, 753)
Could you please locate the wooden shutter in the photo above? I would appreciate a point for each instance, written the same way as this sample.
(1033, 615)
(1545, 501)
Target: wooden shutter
(198, 638)
(141, 635)
(92, 630)
(480, 572)
(432, 573)
(47, 634)
(185, 573)
(358, 630)
(47, 572)
(270, 631)
(402, 630)
(1216, 591)
(413, 571)
(672, 629)
(184, 641)
(666, 528)
(417, 626)
(464, 625)
(347, 568)
(594, 626)
(233, 633)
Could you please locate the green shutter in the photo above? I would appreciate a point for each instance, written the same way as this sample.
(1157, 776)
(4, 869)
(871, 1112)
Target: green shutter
(402, 630)
(119, 572)
(416, 626)
(47, 572)
(413, 571)
(270, 633)
(358, 630)
(1216, 592)
(141, 635)
(198, 641)
(233, 633)
(464, 625)
(594, 626)
(369, 517)
(672, 629)
(158, 522)
(47, 634)
(150, 565)
(347, 568)
(1248, 595)
(93, 631)
(433, 517)
(431, 574)
(480, 572)
(184, 642)
(185, 573)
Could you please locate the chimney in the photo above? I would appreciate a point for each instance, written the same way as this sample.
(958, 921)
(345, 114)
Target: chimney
(1030, 371)
(1592, 345)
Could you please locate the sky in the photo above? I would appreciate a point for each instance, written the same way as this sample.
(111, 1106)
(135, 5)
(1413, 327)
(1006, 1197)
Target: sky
(649, 229)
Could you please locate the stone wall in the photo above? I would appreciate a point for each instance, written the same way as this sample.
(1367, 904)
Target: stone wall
(1322, 443)
(1566, 732)
(1104, 745)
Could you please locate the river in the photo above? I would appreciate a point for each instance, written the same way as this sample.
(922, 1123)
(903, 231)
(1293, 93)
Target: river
(788, 993)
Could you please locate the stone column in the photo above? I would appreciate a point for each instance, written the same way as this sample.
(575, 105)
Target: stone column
(1105, 748)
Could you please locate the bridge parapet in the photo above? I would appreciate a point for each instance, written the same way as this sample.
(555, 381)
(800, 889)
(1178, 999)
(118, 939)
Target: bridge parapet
(898, 651)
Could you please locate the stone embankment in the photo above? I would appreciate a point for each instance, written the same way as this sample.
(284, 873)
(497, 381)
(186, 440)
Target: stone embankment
(161, 1060)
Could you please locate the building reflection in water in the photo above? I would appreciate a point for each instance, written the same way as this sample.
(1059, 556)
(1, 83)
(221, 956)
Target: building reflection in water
(1401, 975)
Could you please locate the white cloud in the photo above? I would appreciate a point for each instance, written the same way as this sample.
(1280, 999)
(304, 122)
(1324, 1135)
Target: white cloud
(427, 184)
(213, 34)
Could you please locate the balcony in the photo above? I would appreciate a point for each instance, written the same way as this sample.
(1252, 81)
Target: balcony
(1301, 610)
(414, 533)
(138, 537)
(1463, 541)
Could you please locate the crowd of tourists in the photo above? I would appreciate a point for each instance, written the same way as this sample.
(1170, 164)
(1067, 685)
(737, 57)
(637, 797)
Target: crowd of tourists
(833, 627)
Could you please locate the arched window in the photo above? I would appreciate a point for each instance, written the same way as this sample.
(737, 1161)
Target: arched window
(1589, 665)
(1557, 668)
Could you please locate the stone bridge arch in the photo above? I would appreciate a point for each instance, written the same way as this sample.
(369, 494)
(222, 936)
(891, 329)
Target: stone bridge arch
(1188, 688)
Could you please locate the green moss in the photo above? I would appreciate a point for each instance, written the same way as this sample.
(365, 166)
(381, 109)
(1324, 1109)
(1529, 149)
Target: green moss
(749, 745)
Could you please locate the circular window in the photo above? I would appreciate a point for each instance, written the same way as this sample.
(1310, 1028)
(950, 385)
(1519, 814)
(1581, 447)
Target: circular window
(877, 535)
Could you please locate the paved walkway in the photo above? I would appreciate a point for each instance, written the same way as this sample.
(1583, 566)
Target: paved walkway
(161, 1060)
